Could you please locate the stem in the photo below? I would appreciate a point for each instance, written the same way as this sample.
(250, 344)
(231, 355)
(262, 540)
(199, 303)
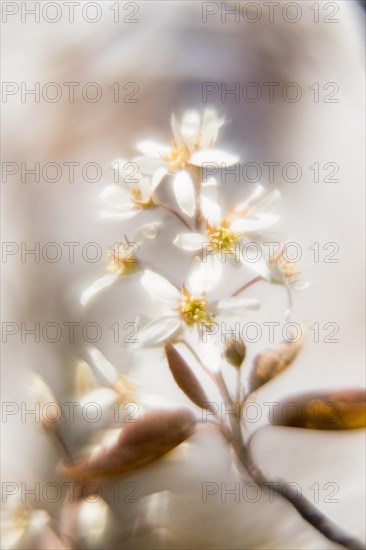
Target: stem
(221, 427)
(238, 386)
(172, 211)
(304, 507)
(234, 422)
(197, 180)
(197, 357)
(288, 312)
(247, 285)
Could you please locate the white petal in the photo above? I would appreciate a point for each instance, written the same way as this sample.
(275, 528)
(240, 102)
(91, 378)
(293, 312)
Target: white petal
(103, 366)
(203, 276)
(260, 267)
(145, 187)
(211, 125)
(116, 196)
(268, 201)
(146, 232)
(211, 186)
(157, 177)
(236, 305)
(152, 148)
(209, 353)
(257, 222)
(148, 165)
(213, 156)
(300, 286)
(177, 136)
(11, 535)
(184, 192)
(159, 288)
(276, 274)
(92, 519)
(210, 207)
(213, 272)
(190, 126)
(38, 521)
(102, 396)
(189, 241)
(157, 331)
(259, 201)
(97, 286)
(253, 198)
(195, 277)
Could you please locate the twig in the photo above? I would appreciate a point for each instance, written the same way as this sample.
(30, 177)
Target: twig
(197, 357)
(247, 285)
(304, 507)
(288, 312)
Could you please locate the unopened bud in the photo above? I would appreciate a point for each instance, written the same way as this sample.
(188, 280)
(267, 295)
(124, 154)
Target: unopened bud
(235, 352)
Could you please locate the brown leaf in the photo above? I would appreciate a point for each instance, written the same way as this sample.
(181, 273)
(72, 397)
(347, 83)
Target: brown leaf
(337, 410)
(269, 363)
(186, 379)
(155, 434)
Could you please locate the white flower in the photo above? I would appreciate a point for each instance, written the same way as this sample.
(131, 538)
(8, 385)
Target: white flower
(285, 272)
(189, 306)
(133, 194)
(92, 518)
(117, 388)
(191, 147)
(124, 261)
(20, 523)
(226, 236)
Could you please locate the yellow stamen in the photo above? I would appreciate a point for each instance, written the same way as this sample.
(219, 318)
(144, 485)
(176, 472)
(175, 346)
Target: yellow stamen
(177, 158)
(193, 309)
(289, 270)
(136, 197)
(222, 237)
(123, 260)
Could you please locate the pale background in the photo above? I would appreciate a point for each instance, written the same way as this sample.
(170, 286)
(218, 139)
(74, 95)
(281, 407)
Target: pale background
(169, 54)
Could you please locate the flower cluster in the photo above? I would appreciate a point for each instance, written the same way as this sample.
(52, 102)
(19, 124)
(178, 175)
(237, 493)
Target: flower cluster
(212, 235)
(187, 314)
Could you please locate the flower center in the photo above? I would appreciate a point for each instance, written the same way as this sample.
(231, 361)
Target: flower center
(222, 237)
(123, 259)
(289, 271)
(193, 309)
(177, 158)
(136, 197)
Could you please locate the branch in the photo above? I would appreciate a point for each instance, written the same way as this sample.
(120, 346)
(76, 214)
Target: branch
(305, 508)
(247, 285)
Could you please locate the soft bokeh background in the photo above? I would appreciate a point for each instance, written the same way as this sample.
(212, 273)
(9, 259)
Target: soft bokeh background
(169, 53)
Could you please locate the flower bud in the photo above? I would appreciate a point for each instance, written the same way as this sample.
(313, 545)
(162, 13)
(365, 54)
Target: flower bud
(235, 352)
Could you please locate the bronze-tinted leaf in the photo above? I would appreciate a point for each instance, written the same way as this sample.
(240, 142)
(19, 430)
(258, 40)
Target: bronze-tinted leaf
(335, 410)
(269, 363)
(186, 379)
(155, 434)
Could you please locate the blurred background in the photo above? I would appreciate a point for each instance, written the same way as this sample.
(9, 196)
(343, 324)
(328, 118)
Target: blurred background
(158, 55)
